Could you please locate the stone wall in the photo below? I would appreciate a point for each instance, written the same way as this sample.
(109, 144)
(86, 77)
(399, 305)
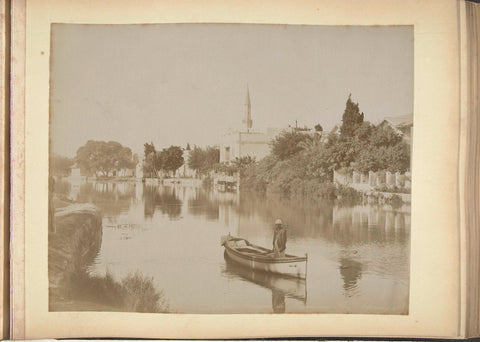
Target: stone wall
(374, 180)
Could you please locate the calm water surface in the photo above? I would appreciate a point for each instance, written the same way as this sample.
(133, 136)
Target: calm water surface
(358, 256)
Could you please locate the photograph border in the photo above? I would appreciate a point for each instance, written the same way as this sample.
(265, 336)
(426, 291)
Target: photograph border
(435, 271)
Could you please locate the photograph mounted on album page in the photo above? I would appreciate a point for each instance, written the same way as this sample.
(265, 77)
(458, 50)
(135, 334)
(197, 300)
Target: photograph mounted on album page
(288, 165)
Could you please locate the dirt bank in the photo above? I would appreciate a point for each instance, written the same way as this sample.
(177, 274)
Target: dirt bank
(73, 243)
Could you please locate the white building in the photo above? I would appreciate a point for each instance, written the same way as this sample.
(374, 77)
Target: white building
(242, 143)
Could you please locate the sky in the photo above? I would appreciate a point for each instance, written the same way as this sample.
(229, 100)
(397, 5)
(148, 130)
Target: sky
(174, 84)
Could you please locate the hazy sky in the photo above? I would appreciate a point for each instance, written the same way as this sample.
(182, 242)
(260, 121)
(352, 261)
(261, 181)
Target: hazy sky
(179, 83)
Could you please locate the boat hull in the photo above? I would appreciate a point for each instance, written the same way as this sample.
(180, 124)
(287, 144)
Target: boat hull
(291, 287)
(289, 266)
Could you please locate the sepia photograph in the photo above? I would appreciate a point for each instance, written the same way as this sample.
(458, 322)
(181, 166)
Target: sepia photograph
(230, 168)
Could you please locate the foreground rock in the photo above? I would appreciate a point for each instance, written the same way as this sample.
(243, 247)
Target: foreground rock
(73, 243)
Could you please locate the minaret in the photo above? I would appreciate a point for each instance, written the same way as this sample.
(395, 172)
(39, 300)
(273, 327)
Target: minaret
(248, 113)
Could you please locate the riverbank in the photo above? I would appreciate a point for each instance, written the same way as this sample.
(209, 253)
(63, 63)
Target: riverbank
(298, 178)
(74, 242)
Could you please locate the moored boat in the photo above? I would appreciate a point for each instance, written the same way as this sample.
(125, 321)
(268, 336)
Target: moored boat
(259, 258)
(290, 287)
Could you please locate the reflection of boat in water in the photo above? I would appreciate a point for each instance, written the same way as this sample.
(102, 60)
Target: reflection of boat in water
(259, 258)
(281, 286)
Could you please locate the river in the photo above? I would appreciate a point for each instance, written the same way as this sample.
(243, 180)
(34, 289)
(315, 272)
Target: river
(358, 256)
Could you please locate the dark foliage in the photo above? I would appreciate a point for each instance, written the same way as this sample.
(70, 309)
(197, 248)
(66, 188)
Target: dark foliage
(103, 157)
(351, 119)
(287, 144)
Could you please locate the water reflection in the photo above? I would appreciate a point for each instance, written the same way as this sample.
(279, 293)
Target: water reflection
(171, 234)
(280, 286)
(164, 199)
(370, 224)
(112, 198)
(306, 218)
(204, 204)
(351, 273)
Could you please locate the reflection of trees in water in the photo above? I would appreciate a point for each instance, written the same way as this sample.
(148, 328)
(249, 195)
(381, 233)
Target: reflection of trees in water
(203, 204)
(323, 219)
(112, 198)
(305, 218)
(351, 273)
(370, 224)
(163, 198)
(169, 201)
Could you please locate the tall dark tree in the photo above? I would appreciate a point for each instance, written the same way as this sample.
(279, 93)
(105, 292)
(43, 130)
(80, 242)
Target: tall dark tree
(195, 159)
(158, 159)
(170, 159)
(351, 119)
(148, 148)
(149, 168)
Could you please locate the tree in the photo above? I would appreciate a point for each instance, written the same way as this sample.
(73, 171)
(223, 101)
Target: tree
(149, 159)
(243, 163)
(148, 148)
(203, 160)
(351, 119)
(211, 157)
(398, 158)
(149, 168)
(170, 159)
(195, 159)
(318, 128)
(188, 148)
(103, 157)
(385, 135)
(394, 158)
(287, 144)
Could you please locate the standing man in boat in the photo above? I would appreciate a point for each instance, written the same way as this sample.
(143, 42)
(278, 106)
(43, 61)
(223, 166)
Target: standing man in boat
(279, 239)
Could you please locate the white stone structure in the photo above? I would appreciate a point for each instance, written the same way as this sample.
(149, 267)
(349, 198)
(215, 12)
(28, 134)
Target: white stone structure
(245, 142)
(242, 144)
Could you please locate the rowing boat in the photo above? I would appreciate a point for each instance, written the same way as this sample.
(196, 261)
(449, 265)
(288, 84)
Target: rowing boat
(259, 258)
(290, 287)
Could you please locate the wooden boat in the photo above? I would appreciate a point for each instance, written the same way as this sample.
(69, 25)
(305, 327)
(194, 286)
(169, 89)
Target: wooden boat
(295, 288)
(259, 258)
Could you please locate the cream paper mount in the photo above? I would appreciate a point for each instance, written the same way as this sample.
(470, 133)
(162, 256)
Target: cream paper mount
(436, 293)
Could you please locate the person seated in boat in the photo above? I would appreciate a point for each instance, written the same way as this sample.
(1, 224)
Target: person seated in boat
(279, 239)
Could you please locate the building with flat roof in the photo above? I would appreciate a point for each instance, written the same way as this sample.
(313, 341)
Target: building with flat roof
(245, 142)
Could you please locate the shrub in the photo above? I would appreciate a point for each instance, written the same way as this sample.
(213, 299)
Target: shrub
(347, 195)
(316, 189)
(395, 201)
